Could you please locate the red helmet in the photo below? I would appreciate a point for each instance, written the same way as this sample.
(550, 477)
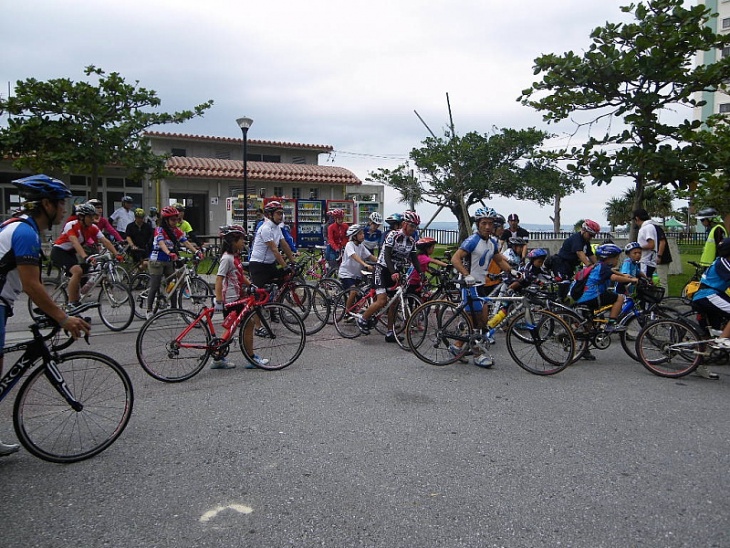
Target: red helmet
(411, 217)
(168, 212)
(425, 242)
(272, 206)
(591, 226)
(338, 213)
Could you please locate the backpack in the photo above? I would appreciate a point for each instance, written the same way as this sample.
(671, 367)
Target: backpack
(578, 287)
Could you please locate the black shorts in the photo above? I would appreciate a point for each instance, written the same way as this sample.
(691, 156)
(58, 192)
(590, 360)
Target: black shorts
(66, 259)
(382, 279)
(715, 309)
(604, 299)
(263, 274)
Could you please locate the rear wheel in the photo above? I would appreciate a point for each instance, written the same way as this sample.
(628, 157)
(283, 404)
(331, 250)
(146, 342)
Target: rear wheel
(543, 346)
(670, 348)
(436, 328)
(346, 318)
(116, 305)
(195, 295)
(309, 303)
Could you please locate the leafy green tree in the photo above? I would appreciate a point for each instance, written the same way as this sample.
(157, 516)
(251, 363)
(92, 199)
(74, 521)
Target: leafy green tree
(457, 172)
(65, 126)
(635, 72)
(617, 212)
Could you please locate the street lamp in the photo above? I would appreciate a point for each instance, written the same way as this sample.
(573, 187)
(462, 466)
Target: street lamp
(245, 123)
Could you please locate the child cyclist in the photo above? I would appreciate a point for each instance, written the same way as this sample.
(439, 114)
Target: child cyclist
(229, 284)
(597, 293)
(353, 261)
(425, 247)
(631, 266)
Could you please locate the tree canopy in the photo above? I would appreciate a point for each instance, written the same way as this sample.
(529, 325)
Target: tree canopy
(636, 72)
(64, 126)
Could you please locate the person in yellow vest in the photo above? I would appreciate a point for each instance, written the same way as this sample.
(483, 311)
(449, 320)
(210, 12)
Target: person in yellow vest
(711, 220)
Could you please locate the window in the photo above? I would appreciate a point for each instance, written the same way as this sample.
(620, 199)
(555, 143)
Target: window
(724, 108)
(298, 160)
(116, 182)
(296, 192)
(726, 23)
(278, 191)
(314, 194)
(272, 159)
(725, 51)
(223, 154)
(178, 152)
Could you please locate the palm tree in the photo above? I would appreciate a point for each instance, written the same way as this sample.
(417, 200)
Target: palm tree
(618, 212)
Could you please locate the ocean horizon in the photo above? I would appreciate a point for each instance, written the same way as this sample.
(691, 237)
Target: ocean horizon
(441, 225)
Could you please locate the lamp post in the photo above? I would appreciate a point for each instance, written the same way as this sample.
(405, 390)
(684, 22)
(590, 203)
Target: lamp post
(245, 123)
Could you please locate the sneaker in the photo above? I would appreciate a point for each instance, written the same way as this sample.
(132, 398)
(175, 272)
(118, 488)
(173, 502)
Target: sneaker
(392, 337)
(720, 343)
(588, 356)
(613, 327)
(259, 361)
(456, 351)
(489, 336)
(363, 326)
(705, 373)
(73, 304)
(148, 314)
(261, 332)
(8, 448)
(485, 360)
(223, 363)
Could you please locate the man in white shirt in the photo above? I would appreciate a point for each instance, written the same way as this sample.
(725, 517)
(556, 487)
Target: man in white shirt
(123, 216)
(647, 239)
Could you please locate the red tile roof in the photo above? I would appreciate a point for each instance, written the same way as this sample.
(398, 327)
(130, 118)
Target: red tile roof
(207, 138)
(212, 168)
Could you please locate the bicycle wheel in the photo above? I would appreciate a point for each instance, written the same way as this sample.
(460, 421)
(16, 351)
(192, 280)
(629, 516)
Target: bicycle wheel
(309, 303)
(576, 323)
(331, 288)
(633, 324)
(50, 429)
(139, 286)
(57, 293)
(670, 347)
(195, 295)
(119, 274)
(281, 343)
(346, 319)
(166, 355)
(544, 346)
(116, 305)
(403, 313)
(434, 327)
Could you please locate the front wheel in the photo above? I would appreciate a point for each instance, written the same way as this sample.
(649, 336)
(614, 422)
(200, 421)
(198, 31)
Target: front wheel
(439, 332)
(116, 305)
(268, 344)
(50, 429)
(195, 295)
(309, 303)
(670, 348)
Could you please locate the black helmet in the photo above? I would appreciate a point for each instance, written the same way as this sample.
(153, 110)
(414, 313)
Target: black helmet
(516, 240)
(723, 250)
(708, 213)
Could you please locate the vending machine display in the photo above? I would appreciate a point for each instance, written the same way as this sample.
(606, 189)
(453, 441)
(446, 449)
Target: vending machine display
(290, 213)
(234, 211)
(310, 219)
(348, 206)
(364, 209)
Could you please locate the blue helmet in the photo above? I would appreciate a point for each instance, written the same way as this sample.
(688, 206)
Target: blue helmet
(608, 250)
(395, 218)
(537, 253)
(629, 247)
(37, 187)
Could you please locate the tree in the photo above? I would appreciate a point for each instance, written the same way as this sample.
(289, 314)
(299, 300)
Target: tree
(67, 126)
(635, 72)
(457, 172)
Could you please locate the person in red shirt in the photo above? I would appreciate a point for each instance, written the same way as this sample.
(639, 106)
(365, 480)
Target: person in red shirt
(336, 238)
(103, 223)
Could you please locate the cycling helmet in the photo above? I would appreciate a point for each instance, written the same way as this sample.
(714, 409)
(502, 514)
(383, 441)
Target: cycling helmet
(85, 209)
(95, 202)
(127, 199)
(516, 240)
(513, 217)
(592, 227)
(231, 230)
(153, 209)
(37, 187)
(485, 213)
(425, 242)
(608, 250)
(499, 220)
(139, 212)
(708, 213)
(411, 217)
(337, 213)
(352, 230)
(394, 219)
(723, 250)
(376, 218)
(273, 206)
(169, 211)
(178, 206)
(537, 253)
(631, 246)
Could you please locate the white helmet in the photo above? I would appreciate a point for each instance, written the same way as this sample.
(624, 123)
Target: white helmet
(352, 230)
(376, 218)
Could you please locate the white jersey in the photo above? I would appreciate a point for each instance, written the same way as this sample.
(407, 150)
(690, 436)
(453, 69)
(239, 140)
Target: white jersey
(268, 232)
(481, 252)
(350, 268)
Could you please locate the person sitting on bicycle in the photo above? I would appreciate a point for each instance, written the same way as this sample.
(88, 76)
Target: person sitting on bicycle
(394, 222)
(336, 238)
(165, 242)
(44, 205)
(575, 252)
(425, 247)
(712, 299)
(534, 272)
(76, 238)
(354, 261)
(265, 254)
(472, 261)
(139, 237)
(597, 292)
(631, 267)
(373, 234)
(229, 287)
(399, 249)
(514, 252)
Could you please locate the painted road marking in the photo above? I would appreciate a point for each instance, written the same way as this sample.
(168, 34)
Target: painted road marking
(210, 514)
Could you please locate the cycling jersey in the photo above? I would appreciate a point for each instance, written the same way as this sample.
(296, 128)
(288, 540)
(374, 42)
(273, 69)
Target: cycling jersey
(401, 247)
(87, 236)
(22, 240)
(597, 282)
(161, 236)
(480, 252)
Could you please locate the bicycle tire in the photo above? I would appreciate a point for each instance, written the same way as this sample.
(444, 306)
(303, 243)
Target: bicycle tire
(194, 296)
(552, 345)
(331, 288)
(279, 342)
(116, 305)
(162, 357)
(411, 303)
(310, 304)
(670, 347)
(139, 287)
(58, 295)
(633, 324)
(346, 320)
(576, 323)
(49, 429)
(433, 327)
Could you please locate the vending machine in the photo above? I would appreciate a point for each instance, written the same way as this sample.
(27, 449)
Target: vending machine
(310, 219)
(364, 209)
(290, 213)
(348, 206)
(234, 211)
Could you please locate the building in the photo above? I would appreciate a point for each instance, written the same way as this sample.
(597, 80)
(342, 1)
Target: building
(717, 102)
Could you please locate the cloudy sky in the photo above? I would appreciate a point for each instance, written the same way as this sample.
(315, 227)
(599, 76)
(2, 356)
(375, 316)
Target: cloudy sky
(347, 74)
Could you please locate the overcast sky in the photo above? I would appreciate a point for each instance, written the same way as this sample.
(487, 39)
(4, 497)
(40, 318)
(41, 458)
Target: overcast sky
(347, 74)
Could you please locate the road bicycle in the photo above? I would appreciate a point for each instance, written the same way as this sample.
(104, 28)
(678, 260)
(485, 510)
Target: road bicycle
(316, 267)
(309, 302)
(72, 406)
(174, 345)
(442, 332)
(182, 289)
(116, 304)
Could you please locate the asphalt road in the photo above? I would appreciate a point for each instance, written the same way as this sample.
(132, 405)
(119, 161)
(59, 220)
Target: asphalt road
(360, 444)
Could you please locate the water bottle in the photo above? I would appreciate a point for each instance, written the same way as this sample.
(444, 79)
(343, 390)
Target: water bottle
(498, 317)
(170, 286)
(655, 279)
(89, 284)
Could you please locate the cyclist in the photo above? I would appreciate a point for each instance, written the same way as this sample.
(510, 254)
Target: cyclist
(712, 299)
(425, 248)
(265, 254)
(394, 222)
(153, 218)
(514, 230)
(123, 215)
(711, 220)
(576, 250)
(399, 248)
(534, 271)
(631, 266)
(354, 261)
(77, 236)
(103, 223)
(597, 292)
(165, 242)
(373, 234)
(229, 284)
(139, 237)
(336, 238)
(472, 261)
(515, 252)
(186, 227)
(44, 205)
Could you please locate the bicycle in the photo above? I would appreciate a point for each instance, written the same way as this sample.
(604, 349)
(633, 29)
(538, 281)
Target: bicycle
(182, 289)
(538, 340)
(72, 406)
(116, 304)
(317, 268)
(174, 345)
(310, 303)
